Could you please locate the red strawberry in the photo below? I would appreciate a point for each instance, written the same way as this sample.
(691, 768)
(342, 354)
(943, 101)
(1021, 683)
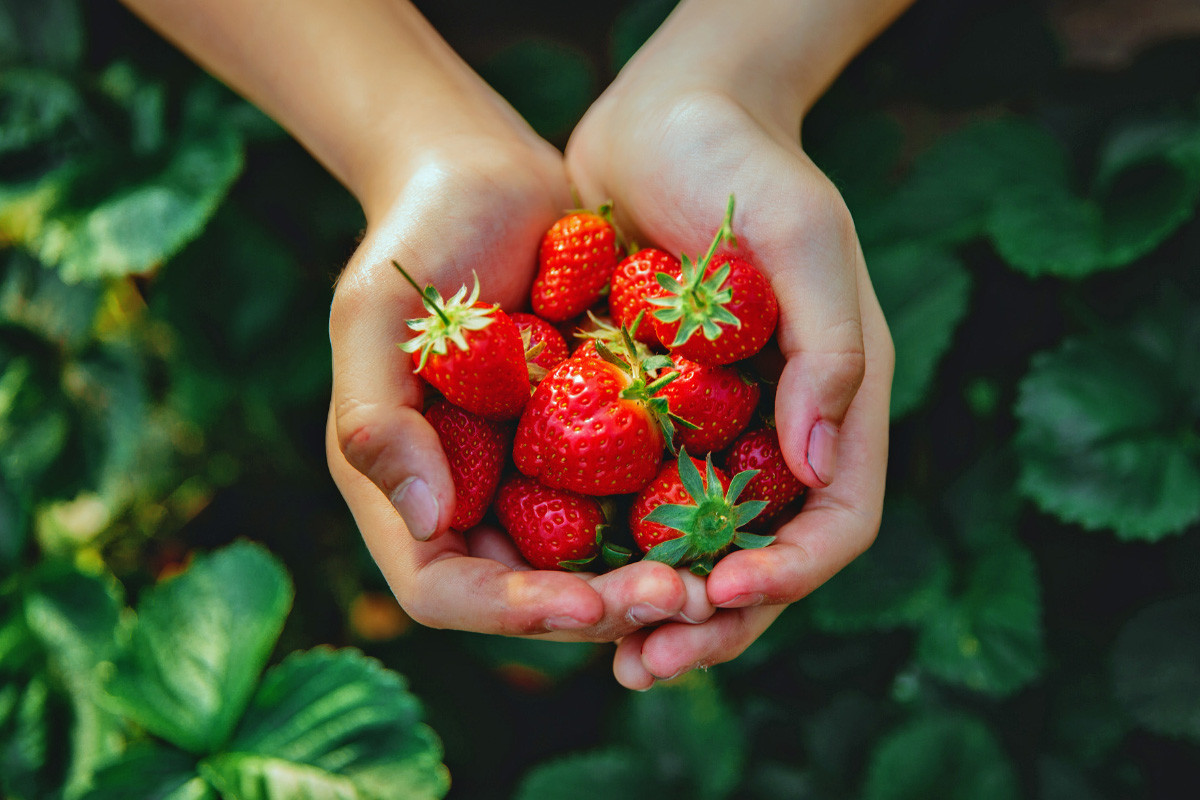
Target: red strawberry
(717, 400)
(477, 450)
(553, 528)
(634, 282)
(681, 518)
(724, 298)
(471, 352)
(545, 347)
(575, 262)
(775, 484)
(594, 425)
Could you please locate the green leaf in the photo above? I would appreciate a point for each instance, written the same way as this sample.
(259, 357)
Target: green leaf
(947, 756)
(549, 82)
(49, 33)
(989, 638)
(613, 774)
(1107, 428)
(1156, 667)
(14, 527)
(199, 643)
(924, 292)
(336, 724)
(38, 106)
(38, 299)
(899, 580)
(107, 214)
(150, 771)
(35, 425)
(76, 617)
(24, 741)
(949, 193)
(691, 734)
(983, 502)
(1148, 184)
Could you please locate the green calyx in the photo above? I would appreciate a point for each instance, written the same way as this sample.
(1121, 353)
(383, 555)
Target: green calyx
(448, 320)
(698, 303)
(642, 387)
(710, 523)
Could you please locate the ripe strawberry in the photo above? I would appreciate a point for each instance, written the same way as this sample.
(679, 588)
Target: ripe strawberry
(553, 528)
(725, 298)
(718, 401)
(594, 425)
(575, 262)
(775, 484)
(469, 351)
(634, 282)
(545, 347)
(681, 518)
(477, 450)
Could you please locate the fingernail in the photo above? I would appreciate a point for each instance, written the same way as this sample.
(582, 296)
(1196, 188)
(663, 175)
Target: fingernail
(743, 601)
(822, 451)
(644, 614)
(685, 618)
(418, 506)
(648, 688)
(688, 668)
(564, 624)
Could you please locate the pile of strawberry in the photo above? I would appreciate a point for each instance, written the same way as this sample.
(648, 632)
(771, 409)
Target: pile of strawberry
(580, 451)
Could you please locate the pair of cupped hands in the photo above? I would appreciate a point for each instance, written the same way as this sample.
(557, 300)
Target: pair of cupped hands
(474, 192)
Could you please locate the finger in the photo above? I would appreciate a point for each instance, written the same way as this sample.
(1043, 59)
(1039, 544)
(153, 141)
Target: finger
(486, 541)
(377, 398)
(628, 668)
(440, 237)
(696, 608)
(636, 595)
(440, 586)
(838, 522)
(674, 649)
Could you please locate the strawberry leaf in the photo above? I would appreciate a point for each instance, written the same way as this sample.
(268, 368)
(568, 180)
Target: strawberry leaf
(330, 722)
(1108, 426)
(902, 578)
(946, 755)
(1156, 667)
(199, 643)
(924, 291)
(989, 638)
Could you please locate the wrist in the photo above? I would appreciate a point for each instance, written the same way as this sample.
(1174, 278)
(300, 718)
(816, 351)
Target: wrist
(775, 58)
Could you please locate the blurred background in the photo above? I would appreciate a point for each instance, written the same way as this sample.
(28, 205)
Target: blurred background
(1024, 177)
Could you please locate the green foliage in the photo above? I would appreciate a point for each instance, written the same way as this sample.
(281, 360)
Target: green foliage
(1109, 425)
(941, 755)
(1025, 623)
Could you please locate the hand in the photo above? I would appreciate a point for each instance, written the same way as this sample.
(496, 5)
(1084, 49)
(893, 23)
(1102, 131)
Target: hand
(668, 148)
(468, 205)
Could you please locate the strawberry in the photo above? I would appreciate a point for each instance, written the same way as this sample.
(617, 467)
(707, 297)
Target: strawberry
(469, 351)
(725, 298)
(545, 347)
(681, 518)
(553, 528)
(477, 450)
(594, 425)
(634, 282)
(775, 484)
(575, 262)
(718, 401)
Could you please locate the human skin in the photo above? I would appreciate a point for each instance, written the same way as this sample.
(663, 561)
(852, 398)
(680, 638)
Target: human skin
(713, 104)
(452, 182)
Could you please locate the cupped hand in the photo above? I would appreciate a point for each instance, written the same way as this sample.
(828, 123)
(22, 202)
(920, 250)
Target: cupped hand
(468, 205)
(668, 153)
